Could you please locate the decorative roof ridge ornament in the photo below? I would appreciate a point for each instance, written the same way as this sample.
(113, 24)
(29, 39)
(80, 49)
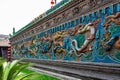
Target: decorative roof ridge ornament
(52, 3)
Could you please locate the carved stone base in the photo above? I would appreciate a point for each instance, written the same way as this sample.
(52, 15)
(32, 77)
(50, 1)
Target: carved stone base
(80, 70)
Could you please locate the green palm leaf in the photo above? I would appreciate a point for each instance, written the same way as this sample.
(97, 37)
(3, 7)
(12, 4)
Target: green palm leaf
(6, 69)
(18, 69)
(1, 68)
(12, 70)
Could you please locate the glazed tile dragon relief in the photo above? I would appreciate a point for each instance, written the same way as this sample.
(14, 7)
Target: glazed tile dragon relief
(92, 41)
(89, 31)
(112, 24)
(43, 46)
(110, 42)
(112, 36)
(32, 47)
(58, 43)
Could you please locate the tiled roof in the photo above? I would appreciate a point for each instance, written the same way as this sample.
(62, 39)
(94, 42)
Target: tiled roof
(4, 40)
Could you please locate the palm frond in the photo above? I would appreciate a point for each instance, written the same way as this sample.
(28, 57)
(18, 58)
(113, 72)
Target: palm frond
(19, 68)
(12, 70)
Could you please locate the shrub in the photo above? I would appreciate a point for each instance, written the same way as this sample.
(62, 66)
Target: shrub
(12, 70)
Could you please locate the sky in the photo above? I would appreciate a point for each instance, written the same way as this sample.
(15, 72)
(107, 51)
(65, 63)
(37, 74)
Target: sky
(18, 13)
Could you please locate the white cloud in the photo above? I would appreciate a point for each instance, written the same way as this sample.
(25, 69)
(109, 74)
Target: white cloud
(18, 13)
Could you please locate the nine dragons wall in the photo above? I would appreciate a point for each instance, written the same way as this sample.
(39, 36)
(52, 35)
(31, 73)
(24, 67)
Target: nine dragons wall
(82, 30)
